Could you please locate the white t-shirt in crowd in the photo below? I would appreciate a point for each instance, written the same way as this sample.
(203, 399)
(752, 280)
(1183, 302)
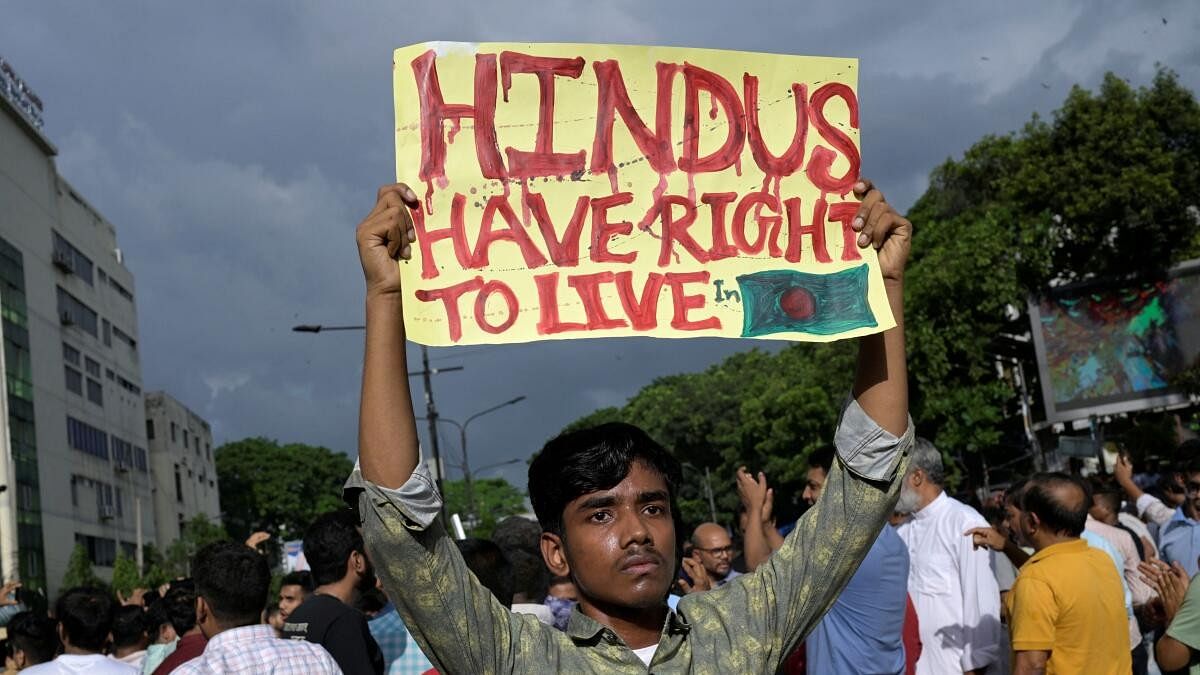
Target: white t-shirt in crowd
(93, 664)
(646, 654)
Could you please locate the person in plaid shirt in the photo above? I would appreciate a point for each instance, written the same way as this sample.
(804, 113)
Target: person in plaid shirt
(232, 583)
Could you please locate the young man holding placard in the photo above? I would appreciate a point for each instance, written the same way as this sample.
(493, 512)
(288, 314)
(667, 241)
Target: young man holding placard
(605, 498)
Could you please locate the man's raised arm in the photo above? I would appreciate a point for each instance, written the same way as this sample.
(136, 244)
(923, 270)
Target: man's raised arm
(881, 382)
(387, 430)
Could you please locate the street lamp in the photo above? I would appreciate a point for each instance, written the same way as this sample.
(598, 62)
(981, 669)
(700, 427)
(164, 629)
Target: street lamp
(462, 435)
(430, 409)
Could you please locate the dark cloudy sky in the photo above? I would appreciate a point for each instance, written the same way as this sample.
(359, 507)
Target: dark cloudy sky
(235, 145)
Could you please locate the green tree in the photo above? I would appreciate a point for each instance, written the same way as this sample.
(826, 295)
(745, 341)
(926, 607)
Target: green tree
(1108, 187)
(125, 576)
(278, 488)
(79, 570)
(495, 500)
(197, 532)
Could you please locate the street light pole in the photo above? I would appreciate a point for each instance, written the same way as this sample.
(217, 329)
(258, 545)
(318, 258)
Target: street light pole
(430, 409)
(468, 484)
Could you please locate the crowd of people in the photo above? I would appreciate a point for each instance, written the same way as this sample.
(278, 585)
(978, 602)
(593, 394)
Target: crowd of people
(883, 573)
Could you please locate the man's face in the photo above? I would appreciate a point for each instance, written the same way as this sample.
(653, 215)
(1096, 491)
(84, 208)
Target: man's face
(290, 598)
(1012, 523)
(910, 498)
(1192, 485)
(619, 544)
(813, 484)
(714, 549)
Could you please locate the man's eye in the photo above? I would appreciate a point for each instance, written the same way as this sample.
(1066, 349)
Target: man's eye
(600, 517)
(655, 510)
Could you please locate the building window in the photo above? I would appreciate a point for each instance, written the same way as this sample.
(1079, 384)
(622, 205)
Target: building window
(87, 438)
(70, 259)
(106, 327)
(124, 337)
(71, 355)
(73, 312)
(139, 460)
(74, 380)
(185, 439)
(121, 290)
(149, 430)
(101, 551)
(120, 508)
(178, 485)
(208, 451)
(95, 392)
(92, 367)
(129, 386)
(74, 491)
(108, 372)
(103, 275)
(122, 451)
(173, 432)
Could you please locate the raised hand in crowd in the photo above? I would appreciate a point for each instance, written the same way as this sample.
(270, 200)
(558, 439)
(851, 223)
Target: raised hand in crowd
(257, 538)
(137, 597)
(700, 580)
(760, 536)
(1171, 582)
(8, 594)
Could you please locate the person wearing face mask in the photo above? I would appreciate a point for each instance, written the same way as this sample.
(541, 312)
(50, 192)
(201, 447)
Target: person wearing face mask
(950, 582)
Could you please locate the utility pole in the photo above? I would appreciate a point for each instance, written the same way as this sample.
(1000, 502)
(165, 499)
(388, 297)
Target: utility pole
(430, 408)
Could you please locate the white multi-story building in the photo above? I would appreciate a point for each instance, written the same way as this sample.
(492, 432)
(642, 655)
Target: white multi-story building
(72, 418)
(181, 461)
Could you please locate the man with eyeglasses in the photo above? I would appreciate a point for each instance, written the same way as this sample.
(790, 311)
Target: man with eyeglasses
(713, 549)
(1179, 530)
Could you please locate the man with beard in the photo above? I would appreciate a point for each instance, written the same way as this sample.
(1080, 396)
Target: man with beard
(333, 546)
(713, 549)
(951, 583)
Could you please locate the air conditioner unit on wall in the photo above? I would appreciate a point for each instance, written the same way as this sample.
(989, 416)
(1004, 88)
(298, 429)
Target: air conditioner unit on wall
(63, 261)
(66, 318)
(107, 512)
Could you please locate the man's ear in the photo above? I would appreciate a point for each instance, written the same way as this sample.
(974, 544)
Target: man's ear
(554, 553)
(202, 611)
(62, 634)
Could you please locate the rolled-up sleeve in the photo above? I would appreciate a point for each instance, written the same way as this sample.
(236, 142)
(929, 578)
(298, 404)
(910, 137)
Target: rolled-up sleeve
(417, 501)
(867, 449)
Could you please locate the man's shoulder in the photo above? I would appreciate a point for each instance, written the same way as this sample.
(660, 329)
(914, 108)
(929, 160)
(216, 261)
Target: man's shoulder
(963, 513)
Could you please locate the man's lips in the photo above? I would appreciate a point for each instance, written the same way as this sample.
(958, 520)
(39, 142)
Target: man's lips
(641, 563)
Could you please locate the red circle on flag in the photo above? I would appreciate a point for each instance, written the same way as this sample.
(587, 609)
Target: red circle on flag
(797, 303)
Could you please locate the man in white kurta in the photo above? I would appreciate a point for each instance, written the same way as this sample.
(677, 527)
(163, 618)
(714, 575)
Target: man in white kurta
(951, 584)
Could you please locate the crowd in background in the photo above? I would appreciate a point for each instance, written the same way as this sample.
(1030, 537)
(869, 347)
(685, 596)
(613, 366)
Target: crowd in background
(1057, 569)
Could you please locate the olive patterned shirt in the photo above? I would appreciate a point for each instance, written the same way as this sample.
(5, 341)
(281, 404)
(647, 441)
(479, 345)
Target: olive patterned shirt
(746, 626)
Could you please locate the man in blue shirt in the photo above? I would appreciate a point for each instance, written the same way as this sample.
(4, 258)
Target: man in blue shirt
(862, 632)
(1179, 539)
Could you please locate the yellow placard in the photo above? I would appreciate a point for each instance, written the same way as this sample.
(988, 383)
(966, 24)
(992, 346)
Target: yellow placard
(573, 190)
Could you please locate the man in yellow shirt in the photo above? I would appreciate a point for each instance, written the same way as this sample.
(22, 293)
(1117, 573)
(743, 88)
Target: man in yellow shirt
(1067, 605)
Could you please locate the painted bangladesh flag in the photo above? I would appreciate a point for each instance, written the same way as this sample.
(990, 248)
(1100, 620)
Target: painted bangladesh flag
(780, 301)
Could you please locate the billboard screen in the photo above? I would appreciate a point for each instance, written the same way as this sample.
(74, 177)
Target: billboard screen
(1106, 348)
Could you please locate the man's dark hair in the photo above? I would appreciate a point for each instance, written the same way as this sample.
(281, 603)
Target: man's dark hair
(328, 543)
(1187, 453)
(128, 626)
(531, 577)
(490, 566)
(1106, 493)
(589, 460)
(86, 615)
(518, 533)
(1015, 492)
(156, 617)
(33, 634)
(179, 606)
(821, 458)
(371, 601)
(1060, 502)
(234, 581)
(301, 578)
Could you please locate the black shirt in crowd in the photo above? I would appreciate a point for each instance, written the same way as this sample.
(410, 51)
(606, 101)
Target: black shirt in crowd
(340, 629)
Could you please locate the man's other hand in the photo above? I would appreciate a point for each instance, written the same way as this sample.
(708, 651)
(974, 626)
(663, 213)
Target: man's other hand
(879, 225)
